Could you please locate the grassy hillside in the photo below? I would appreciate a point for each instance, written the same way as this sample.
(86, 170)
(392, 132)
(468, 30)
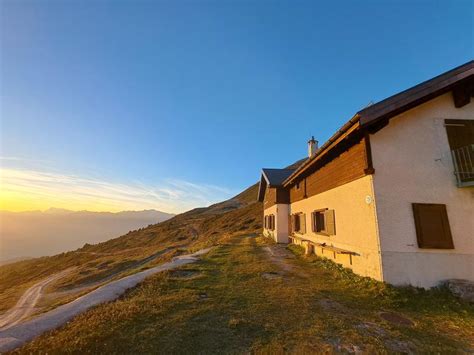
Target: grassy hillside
(111, 259)
(248, 295)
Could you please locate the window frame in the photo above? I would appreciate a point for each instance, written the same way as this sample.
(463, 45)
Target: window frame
(298, 219)
(329, 219)
(269, 222)
(314, 225)
(461, 146)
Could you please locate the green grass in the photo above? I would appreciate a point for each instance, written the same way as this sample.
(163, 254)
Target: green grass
(313, 306)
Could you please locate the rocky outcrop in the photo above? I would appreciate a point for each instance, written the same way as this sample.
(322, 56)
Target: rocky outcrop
(463, 289)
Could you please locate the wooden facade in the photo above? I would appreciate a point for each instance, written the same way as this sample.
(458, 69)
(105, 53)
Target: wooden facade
(274, 195)
(345, 166)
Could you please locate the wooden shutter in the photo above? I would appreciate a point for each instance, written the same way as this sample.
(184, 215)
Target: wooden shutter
(432, 226)
(290, 224)
(302, 223)
(313, 222)
(330, 222)
(460, 133)
(461, 142)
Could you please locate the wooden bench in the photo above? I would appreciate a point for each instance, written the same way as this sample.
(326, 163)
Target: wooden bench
(324, 246)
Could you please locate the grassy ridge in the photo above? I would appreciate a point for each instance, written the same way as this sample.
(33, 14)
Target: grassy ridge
(239, 299)
(188, 231)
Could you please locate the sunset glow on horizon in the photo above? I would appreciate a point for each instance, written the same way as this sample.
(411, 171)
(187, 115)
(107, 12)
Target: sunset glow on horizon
(28, 190)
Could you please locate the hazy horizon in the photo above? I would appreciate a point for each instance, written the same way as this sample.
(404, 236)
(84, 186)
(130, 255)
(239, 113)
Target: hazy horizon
(58, 209)
(45, 233)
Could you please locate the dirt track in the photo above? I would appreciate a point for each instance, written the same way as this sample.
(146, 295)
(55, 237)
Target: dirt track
(18, 334)
(27, 303)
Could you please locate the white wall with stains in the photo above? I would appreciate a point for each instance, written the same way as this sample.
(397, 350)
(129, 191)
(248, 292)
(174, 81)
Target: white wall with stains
(413, 164)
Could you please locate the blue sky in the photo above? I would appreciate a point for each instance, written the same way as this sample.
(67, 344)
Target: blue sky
(162, 95)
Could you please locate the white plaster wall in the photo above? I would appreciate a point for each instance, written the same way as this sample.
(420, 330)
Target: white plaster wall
(412, 162)
(356, 225)
(280, 234)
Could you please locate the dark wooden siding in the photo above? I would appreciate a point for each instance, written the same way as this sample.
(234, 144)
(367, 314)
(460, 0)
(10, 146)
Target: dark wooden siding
(270, 197)
(297, 191)
(283, 195)
(274, 195)
(343, 168)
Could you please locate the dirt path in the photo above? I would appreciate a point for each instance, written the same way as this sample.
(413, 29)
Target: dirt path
(279, 255)
(19, 334)
(88, 286)
(27, 303)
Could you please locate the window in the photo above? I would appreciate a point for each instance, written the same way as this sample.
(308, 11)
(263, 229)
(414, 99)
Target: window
(298, 223)
(269, 222)
(324, 222)
(432, 226)
(461, 143)
(297, 185)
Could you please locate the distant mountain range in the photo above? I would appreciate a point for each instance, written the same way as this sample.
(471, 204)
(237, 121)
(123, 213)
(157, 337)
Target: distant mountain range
(41, 233)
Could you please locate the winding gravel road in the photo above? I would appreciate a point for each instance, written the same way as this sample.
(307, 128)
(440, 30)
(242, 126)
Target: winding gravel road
(27, 303)
(18, 334)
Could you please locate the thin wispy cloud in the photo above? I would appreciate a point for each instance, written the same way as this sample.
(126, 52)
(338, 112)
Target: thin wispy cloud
(22, 159)
(52, 189)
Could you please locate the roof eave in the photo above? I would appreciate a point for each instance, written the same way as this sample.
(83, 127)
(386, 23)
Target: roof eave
(261, 189)
(416, 95)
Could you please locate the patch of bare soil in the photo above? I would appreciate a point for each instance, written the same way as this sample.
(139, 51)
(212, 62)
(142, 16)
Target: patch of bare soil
(372, 329)
(341, 347)
(203, 296)
(184, 274)
(392, 344)
(279, 255)
(396, 319)
(331, 305)
(271, 275)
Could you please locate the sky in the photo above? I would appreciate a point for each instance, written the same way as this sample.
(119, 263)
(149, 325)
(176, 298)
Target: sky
(130, 105)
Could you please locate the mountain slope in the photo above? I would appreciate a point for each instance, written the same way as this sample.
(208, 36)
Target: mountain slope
(113, 258)
(246, 295)
(95, 262)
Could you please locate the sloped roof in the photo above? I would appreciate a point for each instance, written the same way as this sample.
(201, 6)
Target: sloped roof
(416, 95)
(275, 177)
(395, 105)
(272, 178)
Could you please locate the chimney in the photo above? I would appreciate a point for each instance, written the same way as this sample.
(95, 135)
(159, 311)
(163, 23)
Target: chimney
(312, 147)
